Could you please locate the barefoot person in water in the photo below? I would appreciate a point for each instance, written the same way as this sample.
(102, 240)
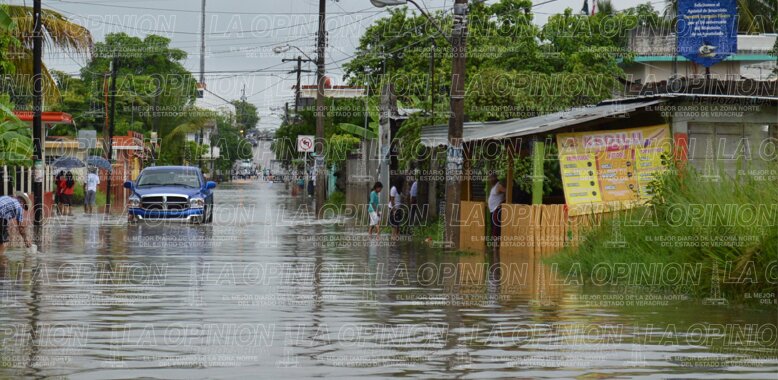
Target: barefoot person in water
(373, 210)
(12, 208)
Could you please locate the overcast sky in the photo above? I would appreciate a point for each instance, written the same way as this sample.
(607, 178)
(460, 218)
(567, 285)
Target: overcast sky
(240, 35)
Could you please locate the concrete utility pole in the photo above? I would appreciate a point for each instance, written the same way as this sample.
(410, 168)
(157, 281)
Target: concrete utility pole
(297, 89)
(320, 189)
(455, 157)
(433, 85)
(37, 122)
(202, 44)
(111, 128)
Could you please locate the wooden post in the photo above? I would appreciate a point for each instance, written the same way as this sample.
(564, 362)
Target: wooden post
(509, 179)
(423, 197)
(467, 166)
(433, 186)
(538, 150)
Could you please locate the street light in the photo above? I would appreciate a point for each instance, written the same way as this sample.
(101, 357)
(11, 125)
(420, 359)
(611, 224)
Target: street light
(280, 49)
(389, 3)
(283, 49)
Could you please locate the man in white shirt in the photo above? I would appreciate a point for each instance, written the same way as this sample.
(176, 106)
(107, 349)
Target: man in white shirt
(90, 191)
(495, 201)
(396, 209)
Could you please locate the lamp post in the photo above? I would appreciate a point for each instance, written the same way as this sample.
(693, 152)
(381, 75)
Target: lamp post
(454, 157)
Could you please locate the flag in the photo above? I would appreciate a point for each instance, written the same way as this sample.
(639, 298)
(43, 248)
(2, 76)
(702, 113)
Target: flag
(585, 9)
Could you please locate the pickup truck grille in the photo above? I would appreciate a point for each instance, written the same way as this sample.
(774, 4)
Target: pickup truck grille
(164, 202)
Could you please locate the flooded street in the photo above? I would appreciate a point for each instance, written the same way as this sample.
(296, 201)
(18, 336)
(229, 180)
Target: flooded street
(268, 292)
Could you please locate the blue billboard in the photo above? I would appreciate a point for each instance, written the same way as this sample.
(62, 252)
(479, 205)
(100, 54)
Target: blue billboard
(707, 30)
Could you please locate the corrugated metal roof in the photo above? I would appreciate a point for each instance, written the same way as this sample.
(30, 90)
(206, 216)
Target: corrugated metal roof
(404, 113)
(438, 134)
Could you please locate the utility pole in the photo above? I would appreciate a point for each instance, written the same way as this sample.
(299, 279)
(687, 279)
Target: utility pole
(433, 88)
(111, 127)
(320, 188)
(202, 45)
(297, 89)
(202, 77)
(455, 157)
(155, 123)
(37, 123)
(243, 99)
(298, 71)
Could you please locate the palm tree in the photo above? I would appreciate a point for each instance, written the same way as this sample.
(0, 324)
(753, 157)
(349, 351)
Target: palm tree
(193, 120)
(58, 32)
(754, 16)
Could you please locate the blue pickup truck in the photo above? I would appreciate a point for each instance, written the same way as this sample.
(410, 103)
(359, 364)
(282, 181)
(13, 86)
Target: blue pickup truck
(174, 193)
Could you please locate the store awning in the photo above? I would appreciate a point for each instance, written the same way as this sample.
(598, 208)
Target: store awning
(46, 117)
(437, 135)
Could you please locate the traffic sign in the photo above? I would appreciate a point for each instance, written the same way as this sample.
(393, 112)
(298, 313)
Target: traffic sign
(305, 143)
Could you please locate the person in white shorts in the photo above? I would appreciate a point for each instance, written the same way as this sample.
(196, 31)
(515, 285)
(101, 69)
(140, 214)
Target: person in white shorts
(373, 211)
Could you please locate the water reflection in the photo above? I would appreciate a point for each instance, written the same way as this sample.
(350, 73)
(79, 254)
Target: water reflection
(261, 291)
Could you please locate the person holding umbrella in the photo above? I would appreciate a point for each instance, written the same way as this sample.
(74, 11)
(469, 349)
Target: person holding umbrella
(67, 193)
(66, 186)
(12, 208)
(59, 181)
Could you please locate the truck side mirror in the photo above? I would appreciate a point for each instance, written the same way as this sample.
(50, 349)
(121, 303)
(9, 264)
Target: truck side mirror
(128, 185)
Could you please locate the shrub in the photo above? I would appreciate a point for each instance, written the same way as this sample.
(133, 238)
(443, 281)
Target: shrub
(730, 225)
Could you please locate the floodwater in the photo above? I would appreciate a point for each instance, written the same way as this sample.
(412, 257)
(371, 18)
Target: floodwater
(268, 292)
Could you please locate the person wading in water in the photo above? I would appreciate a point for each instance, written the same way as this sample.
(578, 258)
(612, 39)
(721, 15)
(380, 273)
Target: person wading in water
(496, 199)
(374, 211)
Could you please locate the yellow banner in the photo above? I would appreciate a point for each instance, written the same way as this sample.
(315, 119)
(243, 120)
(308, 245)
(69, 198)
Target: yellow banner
(610, 170)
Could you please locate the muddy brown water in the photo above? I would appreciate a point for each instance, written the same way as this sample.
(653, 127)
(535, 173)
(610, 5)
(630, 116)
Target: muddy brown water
(268, 292)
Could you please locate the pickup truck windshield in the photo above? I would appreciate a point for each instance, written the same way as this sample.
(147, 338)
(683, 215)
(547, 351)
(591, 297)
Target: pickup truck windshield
(169, 178)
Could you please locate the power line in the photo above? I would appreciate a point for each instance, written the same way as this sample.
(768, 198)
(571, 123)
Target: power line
(218, 12)
(226, 32)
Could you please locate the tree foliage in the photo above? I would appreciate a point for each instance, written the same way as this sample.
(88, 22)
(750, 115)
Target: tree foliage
(58, 32)
(515, 69)
(151, 83)
(15, 137)
(246, 114)
(344, 129)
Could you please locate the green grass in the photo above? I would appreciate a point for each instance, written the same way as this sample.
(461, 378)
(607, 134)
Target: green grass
(336, 201)
(691, 221)
(432, 230)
